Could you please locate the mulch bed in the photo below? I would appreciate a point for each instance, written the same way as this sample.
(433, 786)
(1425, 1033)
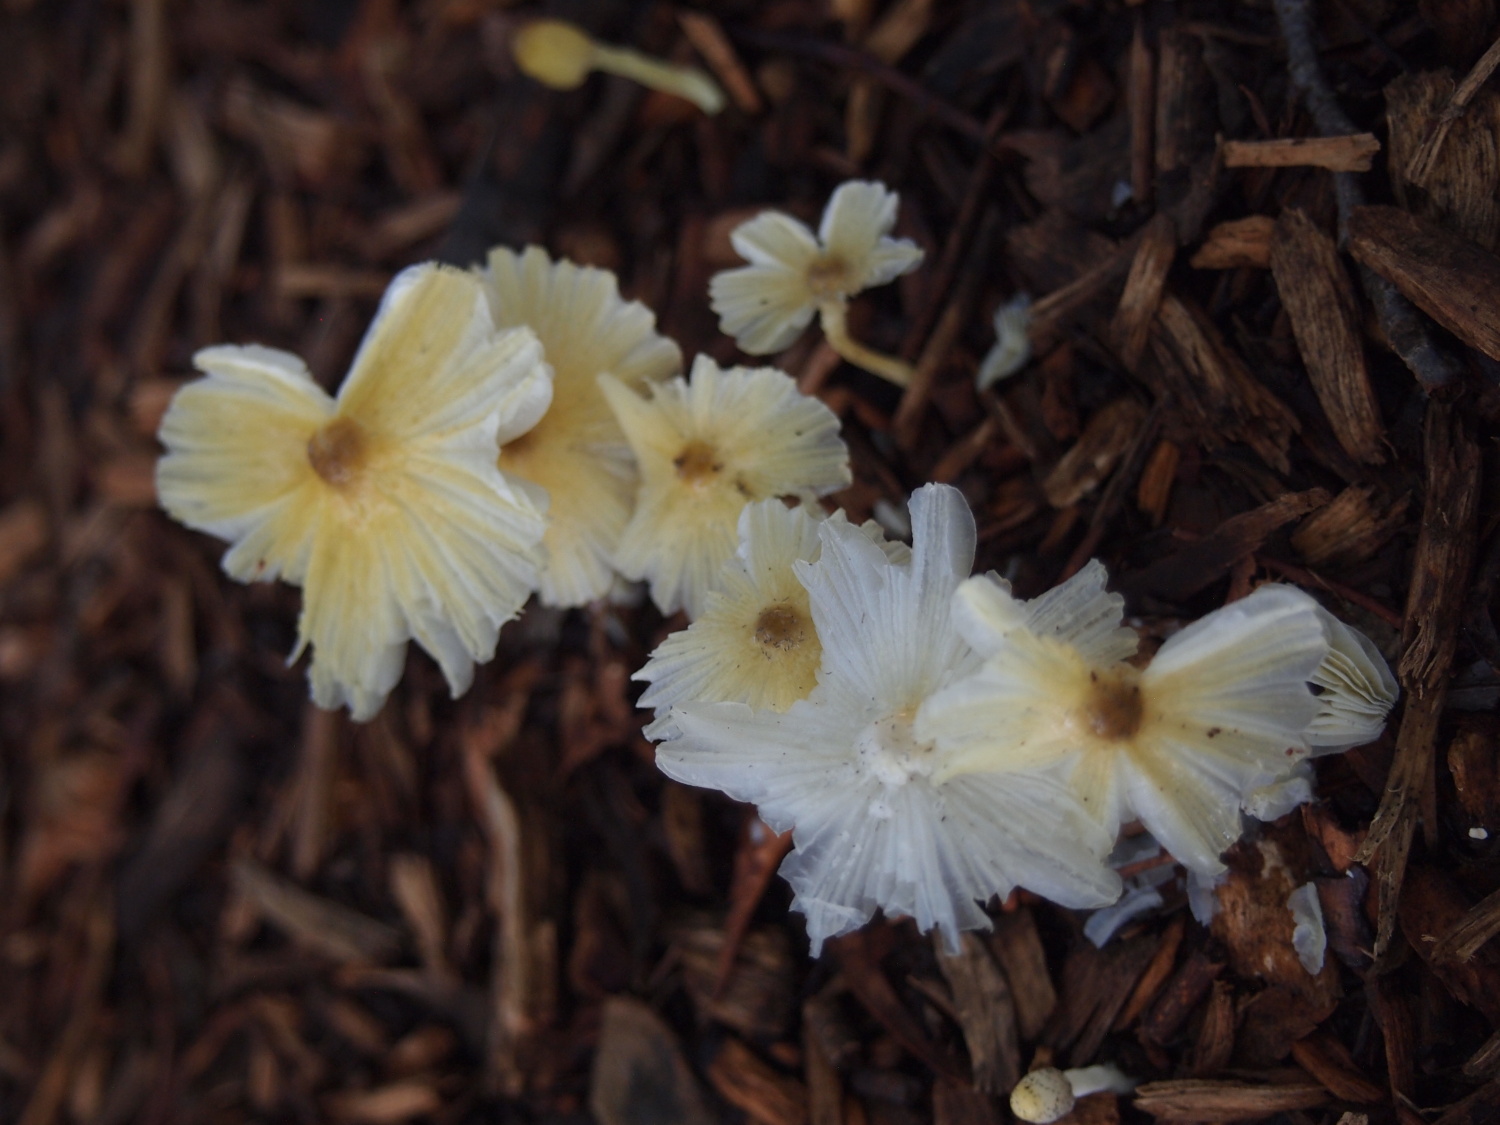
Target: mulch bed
(1265, 348)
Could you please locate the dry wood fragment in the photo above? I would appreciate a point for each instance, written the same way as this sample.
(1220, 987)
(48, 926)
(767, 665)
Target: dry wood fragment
(316, 922)
(1131, 326)
(1096, 983)
(1184, 93)
(1109, 434)
(1450, 935)
(1484, 1062)
(1452, 280)
(384, 1105)
(1355, 153)
(1215, 1041)
(1350, 529)
(297, 279)
(1181, 997)
(986, 1013)
(705, 33)
(1018, 947)
(758, 998)
(956, 1104)
(1140, 95)
(1200, 1099)
(1235, 244)
(1434, 605)
(1474, 763)
(862, 972)
(1208, 559)
(24, 531)
(825, 1093)
(1210, 385)
(1154, 491)
(1453, 181)
(1319, 299)
(1420, 165)
(1327, 1060)
(750, 1085)
(1390, 1004)
(414, 886)
(1155, 976)
(1479, 1107)
(639, 1073)
(759, 854)
(825, 1020)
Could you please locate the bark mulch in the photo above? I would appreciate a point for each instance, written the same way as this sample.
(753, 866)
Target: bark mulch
(1261, 243)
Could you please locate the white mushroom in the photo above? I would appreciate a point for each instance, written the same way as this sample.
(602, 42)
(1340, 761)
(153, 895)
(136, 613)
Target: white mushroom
(1047, 1093)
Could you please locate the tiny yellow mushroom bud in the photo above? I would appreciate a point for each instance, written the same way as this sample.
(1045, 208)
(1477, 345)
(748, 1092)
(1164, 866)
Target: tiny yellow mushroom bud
(560, 55)
(1047, 1093)
(1042, 1096)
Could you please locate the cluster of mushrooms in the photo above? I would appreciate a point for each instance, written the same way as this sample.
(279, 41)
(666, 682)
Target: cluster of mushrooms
(932, 741)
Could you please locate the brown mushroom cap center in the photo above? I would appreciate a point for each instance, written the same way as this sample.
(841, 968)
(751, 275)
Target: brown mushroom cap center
(338, 451)
(1114, 710)
(780, 627)
(698, 463)
(828, 276)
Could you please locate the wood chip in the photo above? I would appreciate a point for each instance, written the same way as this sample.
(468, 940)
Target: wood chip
(986, 1013)
(1087, 464)
(1354, 153)
(1018, 948)
(1200, 1099)
(753, 1087)
(639, 1075)
(1326, 320)
(1131, 327)
(1350, 529)
(316, 922)
(1236, 244)
(1449, 278)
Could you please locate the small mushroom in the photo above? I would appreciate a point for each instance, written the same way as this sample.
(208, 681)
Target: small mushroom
(561, 54)
(1047, 1093)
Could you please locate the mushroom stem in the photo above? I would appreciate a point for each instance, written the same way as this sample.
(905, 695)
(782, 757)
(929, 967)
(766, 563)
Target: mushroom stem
(687, 82)
(836, 332)
(560, 54)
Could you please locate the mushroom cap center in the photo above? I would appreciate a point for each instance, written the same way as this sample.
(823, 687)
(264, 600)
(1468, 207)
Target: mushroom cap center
(338, 451)
(1113, 708)
(890, 750)
(698, 464)
(780, 627)
(828, 277)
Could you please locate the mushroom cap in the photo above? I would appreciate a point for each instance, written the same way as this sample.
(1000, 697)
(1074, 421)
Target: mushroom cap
(1042, 1096)
(555, 53)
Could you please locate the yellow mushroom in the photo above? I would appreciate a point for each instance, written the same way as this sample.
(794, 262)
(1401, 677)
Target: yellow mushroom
(561, 55)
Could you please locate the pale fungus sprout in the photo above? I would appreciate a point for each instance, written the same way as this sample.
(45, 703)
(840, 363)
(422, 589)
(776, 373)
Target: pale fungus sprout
(1012, 350)
(1047, 1093)
(385, 503)
(1224, 707)
(561, 55)
(755, 641)
(874, 824)
(577, 453)
(793, 275)
(706, 448)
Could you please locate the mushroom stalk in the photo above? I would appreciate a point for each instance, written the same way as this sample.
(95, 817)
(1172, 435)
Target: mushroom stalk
(836, 332)
(560, 55)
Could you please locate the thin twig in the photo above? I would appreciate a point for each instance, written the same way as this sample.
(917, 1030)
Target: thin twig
(1406, 330)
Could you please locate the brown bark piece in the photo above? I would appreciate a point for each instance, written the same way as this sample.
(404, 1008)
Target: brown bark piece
(1452, 280)
(1018, 947)
(1107, 437)
(1155, 976)
(986, 1013)
(1325, 314)
(1211, 387)
(1130, 330)
(758, 998)
(1434, 609)
(639, 1075)
(750, 1085)
(1205, 561)
(1096, 985)
(1181, 997)
(1327, 1060)
(1215, 1042)
(1198, 1099)
(1479, 1108)
(1236, 244)
(1449, 935)
(24, 530)
(1454, 181)
(1350, 529)
(1353, 153)
(318, 923)
(1474, 763)
(956, 1104)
